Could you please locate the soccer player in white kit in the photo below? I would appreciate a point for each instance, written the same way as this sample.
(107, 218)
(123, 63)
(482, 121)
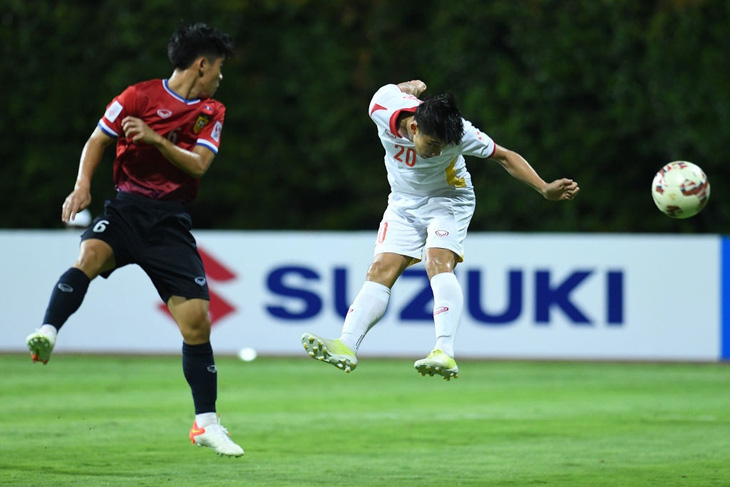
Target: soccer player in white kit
(429, 209)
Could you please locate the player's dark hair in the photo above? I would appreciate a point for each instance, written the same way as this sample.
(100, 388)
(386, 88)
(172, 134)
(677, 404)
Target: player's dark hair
(190, 41)
(439, 117)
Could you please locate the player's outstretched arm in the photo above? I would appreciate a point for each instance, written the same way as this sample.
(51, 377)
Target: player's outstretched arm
(91, 155)
(520, 169)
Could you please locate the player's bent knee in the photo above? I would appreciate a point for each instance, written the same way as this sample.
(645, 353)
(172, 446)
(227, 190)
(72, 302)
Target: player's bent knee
(439, 261)
(192, 318)
(195, 337)
(385, 272)
(195, 332)
(94, 258)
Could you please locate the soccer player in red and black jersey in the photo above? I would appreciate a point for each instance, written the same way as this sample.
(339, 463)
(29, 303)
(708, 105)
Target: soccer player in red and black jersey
(167, 133)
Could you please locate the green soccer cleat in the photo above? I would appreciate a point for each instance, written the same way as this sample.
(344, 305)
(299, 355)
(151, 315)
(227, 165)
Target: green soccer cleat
(439, 363)
(331, 351)
(40, 346)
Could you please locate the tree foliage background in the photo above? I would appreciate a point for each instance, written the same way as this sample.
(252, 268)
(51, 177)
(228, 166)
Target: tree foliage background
(603, 91)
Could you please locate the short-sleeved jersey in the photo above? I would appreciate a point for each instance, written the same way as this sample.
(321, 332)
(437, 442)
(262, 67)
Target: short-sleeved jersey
(141, 168)
(407, 172)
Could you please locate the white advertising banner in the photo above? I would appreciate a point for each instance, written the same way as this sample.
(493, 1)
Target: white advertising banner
(532, 296)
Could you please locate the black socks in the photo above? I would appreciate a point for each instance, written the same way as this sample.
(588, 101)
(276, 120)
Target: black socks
(199, 369)
(66, 297)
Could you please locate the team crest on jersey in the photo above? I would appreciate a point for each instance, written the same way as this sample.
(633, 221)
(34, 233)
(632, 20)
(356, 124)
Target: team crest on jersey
(200, 123)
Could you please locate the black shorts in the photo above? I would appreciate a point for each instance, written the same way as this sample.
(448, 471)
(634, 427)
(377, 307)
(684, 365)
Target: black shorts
(156, 236)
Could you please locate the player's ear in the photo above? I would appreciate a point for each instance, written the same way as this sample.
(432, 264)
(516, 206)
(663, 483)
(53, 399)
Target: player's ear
(414, 126)
(201, 64)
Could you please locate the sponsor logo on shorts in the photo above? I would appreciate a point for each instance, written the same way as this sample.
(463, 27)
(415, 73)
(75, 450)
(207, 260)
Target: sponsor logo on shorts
(212, 369)
(440, 309)
(62, 286)
(442, 233)
(200, 281)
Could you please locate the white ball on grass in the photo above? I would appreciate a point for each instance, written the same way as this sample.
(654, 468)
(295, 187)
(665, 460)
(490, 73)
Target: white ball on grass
(247, 354)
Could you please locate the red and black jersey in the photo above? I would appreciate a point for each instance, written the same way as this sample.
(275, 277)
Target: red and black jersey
(142, 169)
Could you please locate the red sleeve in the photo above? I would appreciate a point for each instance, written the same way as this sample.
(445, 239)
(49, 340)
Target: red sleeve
(120, 107)
(210, 135)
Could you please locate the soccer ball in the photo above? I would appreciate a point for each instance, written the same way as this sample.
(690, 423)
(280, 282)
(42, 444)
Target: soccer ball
(680, 189)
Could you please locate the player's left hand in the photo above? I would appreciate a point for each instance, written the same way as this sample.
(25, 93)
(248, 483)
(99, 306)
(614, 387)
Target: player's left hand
(561, 189)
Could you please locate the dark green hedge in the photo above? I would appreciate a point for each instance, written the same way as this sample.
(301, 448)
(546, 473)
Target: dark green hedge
(603, 91)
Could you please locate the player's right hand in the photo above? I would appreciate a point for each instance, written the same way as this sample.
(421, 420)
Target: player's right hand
(79, 199)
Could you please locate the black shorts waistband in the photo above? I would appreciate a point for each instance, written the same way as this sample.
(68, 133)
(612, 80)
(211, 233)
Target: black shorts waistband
(143, 200)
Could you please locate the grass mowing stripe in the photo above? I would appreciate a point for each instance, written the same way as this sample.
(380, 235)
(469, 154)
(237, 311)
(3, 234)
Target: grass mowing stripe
(123, 421)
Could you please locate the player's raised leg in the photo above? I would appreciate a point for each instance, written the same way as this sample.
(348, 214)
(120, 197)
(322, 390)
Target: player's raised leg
(65, 299)
(67, 296)
(366, 310)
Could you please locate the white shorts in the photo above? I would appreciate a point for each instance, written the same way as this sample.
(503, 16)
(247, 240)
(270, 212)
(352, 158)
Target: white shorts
(412, 224)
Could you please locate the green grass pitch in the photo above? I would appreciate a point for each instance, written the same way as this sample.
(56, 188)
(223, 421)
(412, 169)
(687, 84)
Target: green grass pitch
(123, 421)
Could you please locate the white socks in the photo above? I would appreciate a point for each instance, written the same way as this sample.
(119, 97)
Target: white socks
(448, 303)
(49, 331)
(206, 419)
(372, 301)
(366, 310)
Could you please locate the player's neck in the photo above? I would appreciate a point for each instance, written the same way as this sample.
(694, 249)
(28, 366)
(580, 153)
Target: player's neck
(404, 126)
(184, 84)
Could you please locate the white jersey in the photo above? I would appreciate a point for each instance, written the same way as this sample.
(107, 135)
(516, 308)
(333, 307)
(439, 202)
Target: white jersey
(407, 172)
